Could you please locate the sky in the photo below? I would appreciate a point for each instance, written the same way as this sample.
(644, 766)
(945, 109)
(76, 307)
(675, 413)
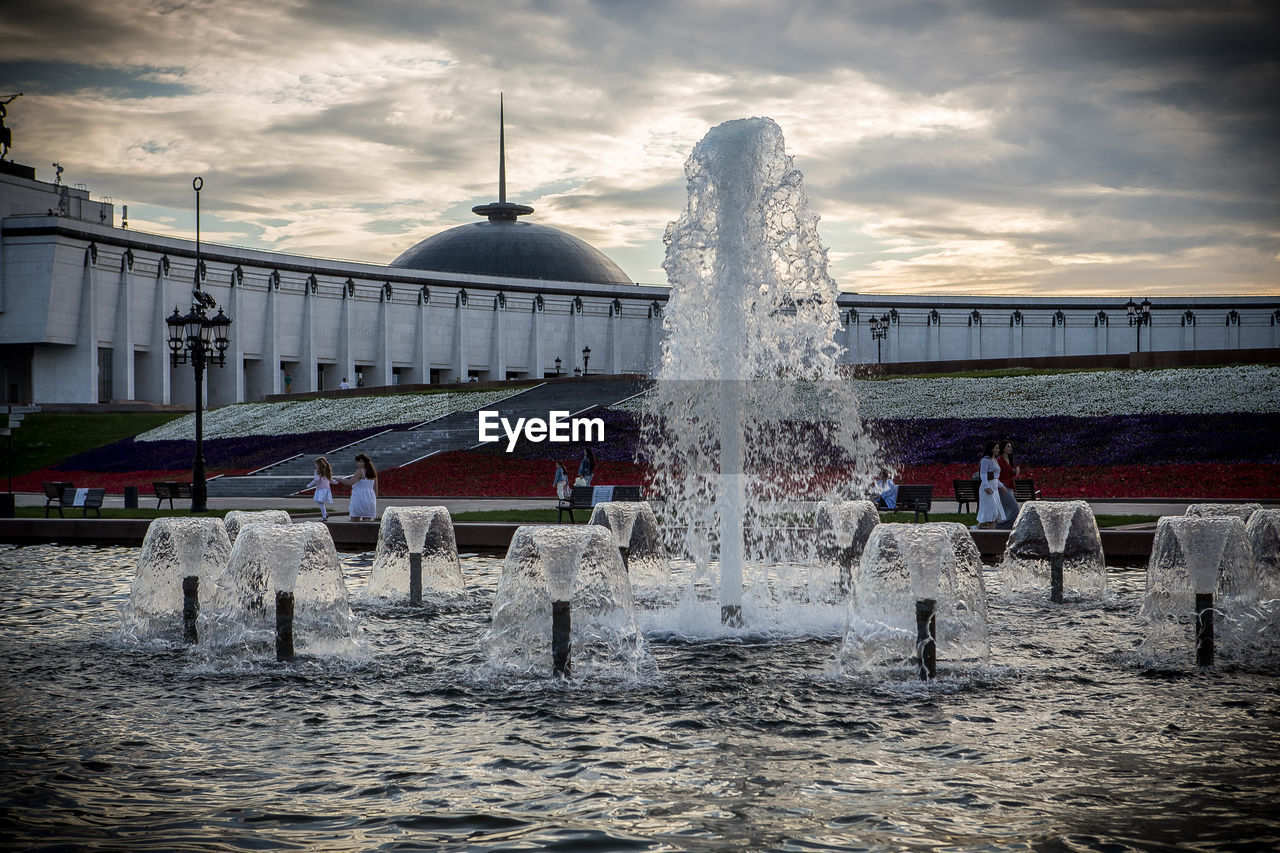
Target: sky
(1002, 147)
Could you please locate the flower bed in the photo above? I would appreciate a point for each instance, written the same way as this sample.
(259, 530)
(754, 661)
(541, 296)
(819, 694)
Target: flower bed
(327, 414)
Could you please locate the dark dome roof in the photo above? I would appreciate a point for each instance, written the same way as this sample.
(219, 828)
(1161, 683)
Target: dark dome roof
(508, 247)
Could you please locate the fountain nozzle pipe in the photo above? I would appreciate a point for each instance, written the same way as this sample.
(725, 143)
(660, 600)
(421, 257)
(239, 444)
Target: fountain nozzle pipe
(190, 608)
(926, 634)
(1055, 578)
(284, 626)
(731, 615)
(560, 632)
(1204, 629)
(415, 580)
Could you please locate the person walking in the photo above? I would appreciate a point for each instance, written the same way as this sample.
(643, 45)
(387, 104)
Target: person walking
(989, 511)
(322, 482)
(586, 468)
(364, 490)
(288, 382)
(344, 385)
(1008, 478)
(561, 482)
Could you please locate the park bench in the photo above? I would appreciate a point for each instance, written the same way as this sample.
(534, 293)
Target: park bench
(584, 497)
(169, 491)
(85, 499)
(966, 493)
(53, 496)
(1025, 490)
(911, 497)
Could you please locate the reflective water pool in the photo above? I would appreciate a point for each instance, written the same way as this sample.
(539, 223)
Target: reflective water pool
(1064, 742)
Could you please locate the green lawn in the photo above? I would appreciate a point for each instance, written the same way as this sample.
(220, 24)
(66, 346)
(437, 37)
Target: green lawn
(46, 439)
(116, 512)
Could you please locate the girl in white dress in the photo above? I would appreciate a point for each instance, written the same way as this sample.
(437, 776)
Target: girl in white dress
(989, 511)
(322, 482)
(364, 490)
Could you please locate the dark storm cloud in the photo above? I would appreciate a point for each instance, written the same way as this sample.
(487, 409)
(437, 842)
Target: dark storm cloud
(1032, 143)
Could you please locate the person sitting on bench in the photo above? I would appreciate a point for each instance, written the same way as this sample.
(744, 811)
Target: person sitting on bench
(886, 490)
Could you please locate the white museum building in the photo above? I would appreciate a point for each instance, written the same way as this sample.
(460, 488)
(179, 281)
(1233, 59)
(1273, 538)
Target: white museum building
(83, 303)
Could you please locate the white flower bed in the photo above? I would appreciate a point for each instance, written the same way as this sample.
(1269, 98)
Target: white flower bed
(246, 419)
(1111, 392)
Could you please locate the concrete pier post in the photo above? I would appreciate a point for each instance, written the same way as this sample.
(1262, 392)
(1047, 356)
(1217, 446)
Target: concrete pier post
(190, 608)
(415, 580)
(1055, 578)
(284, 626)
(926, 636)
(560, 631)
(1204, 629)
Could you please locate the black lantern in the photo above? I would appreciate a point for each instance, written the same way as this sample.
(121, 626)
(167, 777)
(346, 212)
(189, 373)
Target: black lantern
(586, 359)
(202, 340)
(1139, 316)
(879, 329)
(558, 362)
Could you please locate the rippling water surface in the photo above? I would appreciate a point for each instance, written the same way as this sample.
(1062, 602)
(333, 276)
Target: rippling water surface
(1063, 743)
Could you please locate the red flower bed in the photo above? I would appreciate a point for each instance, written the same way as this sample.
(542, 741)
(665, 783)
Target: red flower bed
(113, 482)
(463, 473)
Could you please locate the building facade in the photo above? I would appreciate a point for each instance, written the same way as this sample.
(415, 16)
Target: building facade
(83, 306)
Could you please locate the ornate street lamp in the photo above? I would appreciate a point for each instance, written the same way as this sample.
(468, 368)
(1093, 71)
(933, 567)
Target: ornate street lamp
(586, 358)
(557, 365)
(202, 340)
(879, 329)
(1139, 316)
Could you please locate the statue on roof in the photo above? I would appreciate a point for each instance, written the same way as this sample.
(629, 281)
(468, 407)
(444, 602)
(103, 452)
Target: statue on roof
(6, 134)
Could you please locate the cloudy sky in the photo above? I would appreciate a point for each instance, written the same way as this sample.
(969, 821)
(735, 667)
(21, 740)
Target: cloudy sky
(955, 147)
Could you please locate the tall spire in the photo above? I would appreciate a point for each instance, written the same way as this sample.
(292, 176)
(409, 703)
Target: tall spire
(502, 154)
(501, 209)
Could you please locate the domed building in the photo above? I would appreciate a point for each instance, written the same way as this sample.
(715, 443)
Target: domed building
(504, 246)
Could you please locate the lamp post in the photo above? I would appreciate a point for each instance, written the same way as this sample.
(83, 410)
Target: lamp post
(202, 340)
(586, 358)
(1139, 316)
(557, 366)
(879, 329)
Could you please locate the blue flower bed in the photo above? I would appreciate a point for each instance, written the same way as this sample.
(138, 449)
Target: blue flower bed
(235, 453)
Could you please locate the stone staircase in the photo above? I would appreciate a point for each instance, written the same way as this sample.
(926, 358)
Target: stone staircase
(398, 447)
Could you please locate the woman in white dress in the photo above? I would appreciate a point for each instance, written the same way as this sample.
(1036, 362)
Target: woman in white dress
(364, 490)
(989, 511)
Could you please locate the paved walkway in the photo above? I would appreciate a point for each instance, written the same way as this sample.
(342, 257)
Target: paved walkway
(474, 504)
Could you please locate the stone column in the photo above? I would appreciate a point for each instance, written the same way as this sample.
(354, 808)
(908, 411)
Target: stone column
(460, 360)
(615, 337)
(158, 373)
(346, 359)
(575, 335)
(123, 373)
(86, 379)
(537, 364)
(498, 352)
(271, 337)
(235, 352)
(422, 357)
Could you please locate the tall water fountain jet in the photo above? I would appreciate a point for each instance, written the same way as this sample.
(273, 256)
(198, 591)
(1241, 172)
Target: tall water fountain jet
(1263, 531)
(417, 556)
(1055, 544)
(918, 593)
(239, 518)
(268, 560)
(1202, 590)
(635, 527)
(176, 552)
(564, 606)
(841, 530)
(749, 407)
